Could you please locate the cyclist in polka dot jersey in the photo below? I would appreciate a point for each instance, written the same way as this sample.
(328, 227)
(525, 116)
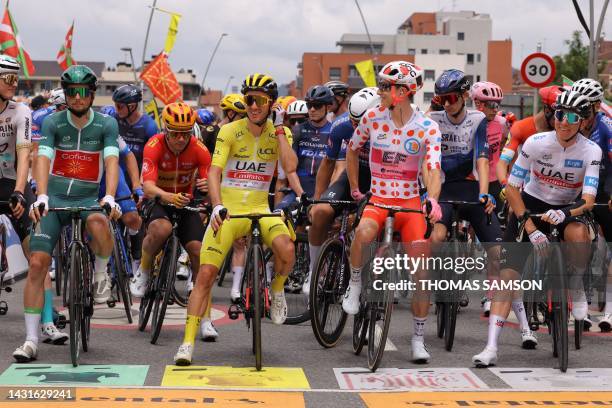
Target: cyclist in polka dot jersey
(401, 141)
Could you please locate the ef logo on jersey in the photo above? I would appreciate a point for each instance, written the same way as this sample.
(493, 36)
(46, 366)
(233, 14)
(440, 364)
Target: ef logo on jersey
(412, 145)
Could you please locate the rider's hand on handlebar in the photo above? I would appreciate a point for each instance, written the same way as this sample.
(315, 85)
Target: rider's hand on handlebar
(139, 192)
(180, 199)
(215, 218)
(489, 202)
(19, 204)
(115, 212)
(554, 217)
(357, 195)
(41, 200)
(436, 212)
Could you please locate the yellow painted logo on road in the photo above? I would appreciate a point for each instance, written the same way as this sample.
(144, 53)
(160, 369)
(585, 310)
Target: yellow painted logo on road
(490, 399)
(235, 377)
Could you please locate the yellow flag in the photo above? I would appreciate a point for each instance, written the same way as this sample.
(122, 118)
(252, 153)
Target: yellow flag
(172, 30)
(366, 70)
(151, 108)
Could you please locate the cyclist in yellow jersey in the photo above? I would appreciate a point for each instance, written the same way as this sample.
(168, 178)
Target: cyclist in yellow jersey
(246, 155)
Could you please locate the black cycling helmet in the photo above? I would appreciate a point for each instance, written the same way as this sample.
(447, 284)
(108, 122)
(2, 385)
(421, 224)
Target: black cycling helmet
(127, 94)
(339, 88)
(319, 94)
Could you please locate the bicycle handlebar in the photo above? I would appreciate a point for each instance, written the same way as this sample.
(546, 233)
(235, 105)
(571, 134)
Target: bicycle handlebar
(457, 203)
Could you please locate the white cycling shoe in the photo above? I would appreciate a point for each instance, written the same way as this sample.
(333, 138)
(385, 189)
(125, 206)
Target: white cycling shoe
(529, 339)
(605, 323)
(278, 310)
(350, 303)
(138, 284)
(235, 295)
(102, 289)
(487, 358)
(420, 355)
(51, 334)
(184, 355)
(26, 352)
(208, 331)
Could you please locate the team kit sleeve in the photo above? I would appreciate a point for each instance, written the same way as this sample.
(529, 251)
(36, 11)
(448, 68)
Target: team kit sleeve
(151, 129)
(591, 174)
(24, 128)
(151, 154)
(433, 140)
(361, 134)
(222, 146)
(481, 145)
(522, 166)
(111, 134)
(46, 144)
(335, 141)
(124, 149)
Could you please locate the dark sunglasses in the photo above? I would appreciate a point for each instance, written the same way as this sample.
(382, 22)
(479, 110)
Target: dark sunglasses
(174, 134)
(572, 118)
(298, 121)
(450, 98)
(82, 91)
(259, 100)
(385, 86)
(314, 105)
(10, 79)
(491, 104)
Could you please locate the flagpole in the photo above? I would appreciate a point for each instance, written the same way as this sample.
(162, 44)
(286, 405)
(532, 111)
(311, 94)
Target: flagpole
(144, 51)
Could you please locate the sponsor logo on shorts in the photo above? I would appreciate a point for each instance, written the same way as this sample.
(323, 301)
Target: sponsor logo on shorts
(212, 249)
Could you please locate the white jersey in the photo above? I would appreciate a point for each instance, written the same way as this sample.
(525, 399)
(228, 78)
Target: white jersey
(15, 134)
(557, 175)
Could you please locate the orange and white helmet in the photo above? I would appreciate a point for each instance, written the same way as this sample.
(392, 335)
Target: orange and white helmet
(402, 73)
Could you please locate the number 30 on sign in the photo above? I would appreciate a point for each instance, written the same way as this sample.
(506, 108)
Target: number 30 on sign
(538, 70)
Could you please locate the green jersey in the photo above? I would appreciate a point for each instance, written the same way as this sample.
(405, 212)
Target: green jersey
(77, 155)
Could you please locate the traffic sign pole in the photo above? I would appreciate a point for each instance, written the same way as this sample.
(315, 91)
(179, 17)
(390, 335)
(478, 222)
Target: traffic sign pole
(535, 90)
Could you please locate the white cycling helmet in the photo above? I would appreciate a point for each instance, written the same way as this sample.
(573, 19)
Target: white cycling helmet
(589, 88)
(402, 73)
(297, 108)
(574, 102)
(57, 97)
(9, 65)
(363, 100)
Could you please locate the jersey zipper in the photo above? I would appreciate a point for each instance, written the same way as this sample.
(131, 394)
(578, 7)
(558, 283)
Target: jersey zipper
(78, 148)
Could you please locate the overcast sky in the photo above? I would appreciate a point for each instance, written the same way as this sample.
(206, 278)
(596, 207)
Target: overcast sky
(267, 35)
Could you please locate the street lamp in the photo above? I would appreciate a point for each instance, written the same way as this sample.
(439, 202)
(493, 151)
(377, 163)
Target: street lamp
(211, 60)
(227, 84)
(129, 49)
(366, 27)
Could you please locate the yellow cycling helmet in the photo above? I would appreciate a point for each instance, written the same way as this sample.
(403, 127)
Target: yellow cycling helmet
(179, 116)
(260, 82)
(285, 101)
(233, 102)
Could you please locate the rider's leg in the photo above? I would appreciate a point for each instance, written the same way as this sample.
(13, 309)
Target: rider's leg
(238, 262)
(102, 246)
(284, 259)
(321, 217)
(578, 244)
(158, 232)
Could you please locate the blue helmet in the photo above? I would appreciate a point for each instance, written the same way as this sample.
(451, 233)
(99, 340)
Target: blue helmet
(108, 110)
(127, 94)
(319, 94)
(452, 80)
(205, 116)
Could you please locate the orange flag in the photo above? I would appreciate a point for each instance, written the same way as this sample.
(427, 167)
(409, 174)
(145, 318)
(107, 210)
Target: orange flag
(161, 80)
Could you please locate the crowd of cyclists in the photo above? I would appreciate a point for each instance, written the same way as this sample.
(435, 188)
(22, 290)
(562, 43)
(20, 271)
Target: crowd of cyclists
(373, 144)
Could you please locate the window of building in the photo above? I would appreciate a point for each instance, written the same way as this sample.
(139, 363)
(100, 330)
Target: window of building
(423, 50)
(444, 51)
(460, 36)
(411, 51)
(470, 59)
(478, 57)
(430, 74)
(427, 97)
(335, 74)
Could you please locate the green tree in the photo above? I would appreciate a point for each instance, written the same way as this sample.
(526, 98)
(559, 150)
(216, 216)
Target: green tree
(575, 63)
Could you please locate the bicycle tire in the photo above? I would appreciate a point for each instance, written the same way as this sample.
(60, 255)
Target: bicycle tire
(167, 274)
(121, 275)
(65, 267)
(75, 305)
(258, 274)
(578, 328)
(381, 307)
(326, 293)
(440, 312)
(360, 328)
(88, 302)
(560, 310)
(452, 306)
(146, 304)
(58, 269)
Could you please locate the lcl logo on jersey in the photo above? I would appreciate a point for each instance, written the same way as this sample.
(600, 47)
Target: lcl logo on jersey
(412, 145)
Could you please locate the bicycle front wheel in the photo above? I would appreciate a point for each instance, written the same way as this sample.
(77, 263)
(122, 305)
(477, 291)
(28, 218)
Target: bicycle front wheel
(120, 259)
(167, 275)
(327, 288)
(360, 328)
(381, 309)
(75, 303)
(257, 276)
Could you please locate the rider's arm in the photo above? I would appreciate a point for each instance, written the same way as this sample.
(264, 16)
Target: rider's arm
(111, 156)
(132, 168)
(324, 175)
(214, 184)
(519, 173)
(482, 157)
(590, 182)
(23, 146)
(359, 138)
(339, 168)
(46, 153)
(432, 164)
(278, 196)
(289, 158)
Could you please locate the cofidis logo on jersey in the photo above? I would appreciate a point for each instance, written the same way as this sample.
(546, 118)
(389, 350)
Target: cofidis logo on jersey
(577, 164)
(412, 145)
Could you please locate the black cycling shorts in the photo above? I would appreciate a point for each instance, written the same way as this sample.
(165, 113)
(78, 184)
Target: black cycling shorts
(21, 225)
(190, 227)
(341, 189)
(467, 190)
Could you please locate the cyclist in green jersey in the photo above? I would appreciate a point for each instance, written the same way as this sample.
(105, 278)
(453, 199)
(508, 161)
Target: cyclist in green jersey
(76, 146)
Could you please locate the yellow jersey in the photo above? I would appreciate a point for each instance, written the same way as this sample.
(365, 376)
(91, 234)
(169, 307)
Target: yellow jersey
(248, 164)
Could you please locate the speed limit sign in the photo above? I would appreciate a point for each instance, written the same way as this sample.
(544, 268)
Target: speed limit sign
(538, 70)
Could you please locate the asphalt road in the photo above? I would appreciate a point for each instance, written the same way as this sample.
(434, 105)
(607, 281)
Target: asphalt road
(113, 343)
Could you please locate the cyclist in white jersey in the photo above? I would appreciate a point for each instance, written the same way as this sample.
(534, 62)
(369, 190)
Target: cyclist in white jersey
(561, 164)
